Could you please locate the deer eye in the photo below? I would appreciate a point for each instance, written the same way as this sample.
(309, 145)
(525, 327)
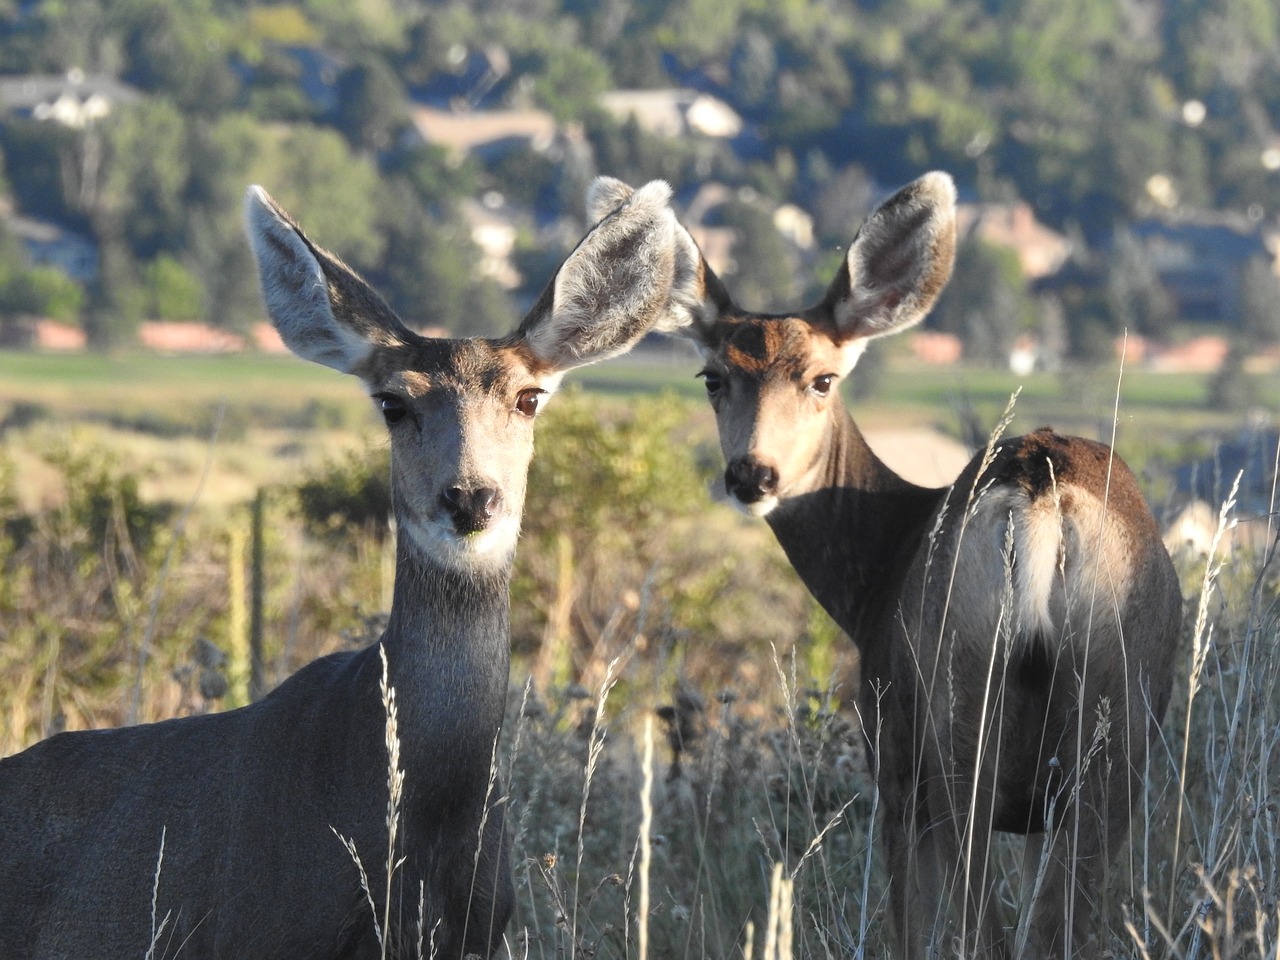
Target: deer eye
(822, 385)
(528, 401)
(392, 407)
(713, 382)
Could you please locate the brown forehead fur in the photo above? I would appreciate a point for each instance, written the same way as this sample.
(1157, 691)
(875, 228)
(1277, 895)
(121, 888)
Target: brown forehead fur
(424, 363)
(778, 346)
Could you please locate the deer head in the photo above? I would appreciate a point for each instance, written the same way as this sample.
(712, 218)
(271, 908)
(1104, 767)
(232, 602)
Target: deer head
(460, 412)
(773, 379)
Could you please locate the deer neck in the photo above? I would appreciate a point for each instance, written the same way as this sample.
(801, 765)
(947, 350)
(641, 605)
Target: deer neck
(852, 535)
(448, 647)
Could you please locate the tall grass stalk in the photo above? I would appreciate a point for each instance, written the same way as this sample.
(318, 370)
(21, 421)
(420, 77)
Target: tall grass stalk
(1201, 643)
(595, 746)
(395, 787)
(779, 930)
(646, 842)
(395, 792)
(157, 930)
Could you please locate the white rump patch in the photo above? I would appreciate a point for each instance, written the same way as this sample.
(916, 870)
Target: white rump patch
(1037, 540)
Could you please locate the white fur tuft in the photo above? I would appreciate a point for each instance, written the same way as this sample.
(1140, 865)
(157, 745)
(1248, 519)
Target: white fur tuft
(604, 195)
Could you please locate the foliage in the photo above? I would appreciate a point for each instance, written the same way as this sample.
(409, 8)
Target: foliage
(612, 476)
(428, 273)
(1231, 387)
(1260, 303)
(1077, 108)
(173, 292)
(348, 496)
(986, 303)
(41, 292)
(104, 513)
(763, 275)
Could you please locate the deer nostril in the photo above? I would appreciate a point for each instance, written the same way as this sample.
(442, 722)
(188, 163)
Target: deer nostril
(470, 510)
(750, 479)
(484, 501)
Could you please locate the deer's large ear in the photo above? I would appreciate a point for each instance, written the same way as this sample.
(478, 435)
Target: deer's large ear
(322, 309)
(698, 298)
(898, 263)
(612, 289)
(605, 195)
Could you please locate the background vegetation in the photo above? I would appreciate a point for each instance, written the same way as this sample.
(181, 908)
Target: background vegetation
(1096, 113)
(127, 559)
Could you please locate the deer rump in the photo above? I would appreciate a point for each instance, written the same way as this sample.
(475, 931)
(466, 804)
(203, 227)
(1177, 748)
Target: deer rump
(1030, 654)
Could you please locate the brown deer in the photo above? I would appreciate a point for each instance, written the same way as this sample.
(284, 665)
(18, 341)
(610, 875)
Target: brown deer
(1015, 630)
(213, 836)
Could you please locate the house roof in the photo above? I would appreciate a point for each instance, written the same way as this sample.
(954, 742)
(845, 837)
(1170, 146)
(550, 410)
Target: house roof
(463, 132)
(73, 98)
(674, 112)
(1041, 251)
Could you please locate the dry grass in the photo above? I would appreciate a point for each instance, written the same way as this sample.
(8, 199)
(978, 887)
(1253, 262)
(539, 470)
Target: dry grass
(762, 762)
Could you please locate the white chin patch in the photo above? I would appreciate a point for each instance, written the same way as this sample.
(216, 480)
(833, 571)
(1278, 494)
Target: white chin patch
(759, 508)
(439, 540)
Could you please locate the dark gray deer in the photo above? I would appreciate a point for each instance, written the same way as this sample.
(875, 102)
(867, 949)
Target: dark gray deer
(1015, 630)
(247, 802)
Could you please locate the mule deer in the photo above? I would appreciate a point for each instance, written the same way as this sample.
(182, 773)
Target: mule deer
(247, 801)
(1015, 630)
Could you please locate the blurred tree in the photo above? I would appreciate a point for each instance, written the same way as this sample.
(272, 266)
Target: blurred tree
(438, 177)
(699, 31)
(753, 67)
(142, 197)
(226, 155)
(355, 27)
(332, 191)
(180, 50)
(54, 37)
(524, 176)
(569, 82)
(841, 203)
(764, 274)
(172, 291)
(41, 164)
(1138, 300)
(41, 292)
(437, 43)
(987, 303)
(118, 299)
(1231, 388)
(1260, 303)
(371, 105)
(430, 274)
(274, 91)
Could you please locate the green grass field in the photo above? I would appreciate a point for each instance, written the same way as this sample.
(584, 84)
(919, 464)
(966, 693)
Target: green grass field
(94, 383)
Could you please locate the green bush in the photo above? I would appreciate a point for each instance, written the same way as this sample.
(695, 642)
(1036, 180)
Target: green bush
(348, 497)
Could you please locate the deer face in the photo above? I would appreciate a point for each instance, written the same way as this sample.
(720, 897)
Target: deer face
(773, 383)
(460, 416)
(773, 379)
(460, 412)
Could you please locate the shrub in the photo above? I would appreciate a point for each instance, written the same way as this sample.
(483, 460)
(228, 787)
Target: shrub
(349, 497)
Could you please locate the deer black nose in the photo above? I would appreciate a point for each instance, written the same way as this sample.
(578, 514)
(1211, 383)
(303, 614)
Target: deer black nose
(750, 479)
(471, 510)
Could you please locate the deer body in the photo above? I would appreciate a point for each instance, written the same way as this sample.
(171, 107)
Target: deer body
(1015, 630)
(271, 879)
(213, 836)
